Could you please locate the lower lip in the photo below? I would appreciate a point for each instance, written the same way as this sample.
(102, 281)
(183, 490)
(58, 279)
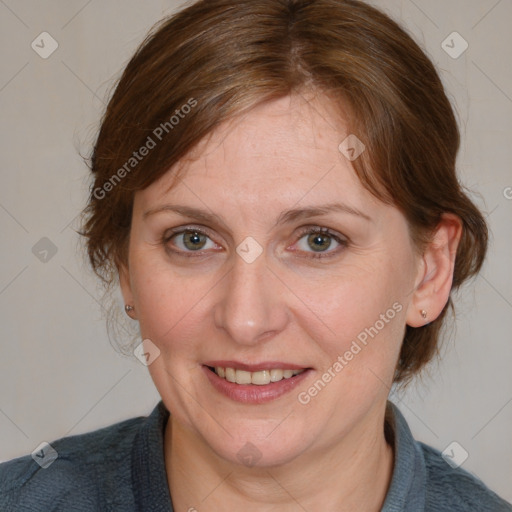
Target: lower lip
(252, 393)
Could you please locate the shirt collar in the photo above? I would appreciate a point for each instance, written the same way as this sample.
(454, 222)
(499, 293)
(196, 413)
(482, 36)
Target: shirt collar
(407, 489)
(149, 477)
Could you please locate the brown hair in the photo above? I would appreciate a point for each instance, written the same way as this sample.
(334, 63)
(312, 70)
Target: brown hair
(223, 57)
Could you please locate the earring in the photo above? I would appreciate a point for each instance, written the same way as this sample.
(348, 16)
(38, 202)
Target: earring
(128, 309)
(423, 313)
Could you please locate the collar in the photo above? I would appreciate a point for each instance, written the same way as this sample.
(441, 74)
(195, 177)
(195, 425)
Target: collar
(407, 489)
(149, 477)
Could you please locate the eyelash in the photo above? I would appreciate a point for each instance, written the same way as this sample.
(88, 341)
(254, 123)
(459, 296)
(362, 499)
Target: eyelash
(343, 242)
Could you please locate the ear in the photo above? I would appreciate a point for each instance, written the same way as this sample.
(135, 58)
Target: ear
(126, 288)
(435, 272)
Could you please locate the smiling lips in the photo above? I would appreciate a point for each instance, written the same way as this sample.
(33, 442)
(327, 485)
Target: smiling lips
(259, 378)
(254, 383)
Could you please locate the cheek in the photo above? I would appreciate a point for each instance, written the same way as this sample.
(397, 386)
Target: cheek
(359, 350)
(170, 305)
(357, 315)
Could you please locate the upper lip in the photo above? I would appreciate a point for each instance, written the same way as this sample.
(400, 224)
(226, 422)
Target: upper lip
(265, 365)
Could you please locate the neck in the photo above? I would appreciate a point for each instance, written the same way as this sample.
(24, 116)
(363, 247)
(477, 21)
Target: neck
(353, 473)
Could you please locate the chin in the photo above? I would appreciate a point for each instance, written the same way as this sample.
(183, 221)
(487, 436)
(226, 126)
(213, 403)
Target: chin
(258, 446)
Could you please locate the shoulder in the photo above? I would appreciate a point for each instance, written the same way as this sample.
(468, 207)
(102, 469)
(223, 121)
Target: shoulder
(72, 473)
(454, 489)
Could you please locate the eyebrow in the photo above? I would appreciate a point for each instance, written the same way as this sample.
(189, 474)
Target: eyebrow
(287, 216)
(317, 211)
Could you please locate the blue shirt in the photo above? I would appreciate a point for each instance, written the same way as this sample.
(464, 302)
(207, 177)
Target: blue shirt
(122, 468)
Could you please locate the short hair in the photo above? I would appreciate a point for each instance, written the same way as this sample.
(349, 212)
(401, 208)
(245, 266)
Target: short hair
(217, 59)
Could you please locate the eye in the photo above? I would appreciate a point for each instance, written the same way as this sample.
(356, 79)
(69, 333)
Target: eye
(189, 240)
(320, 242)
(316, 241)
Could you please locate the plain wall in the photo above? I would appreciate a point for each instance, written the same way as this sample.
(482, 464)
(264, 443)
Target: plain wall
(59, 374)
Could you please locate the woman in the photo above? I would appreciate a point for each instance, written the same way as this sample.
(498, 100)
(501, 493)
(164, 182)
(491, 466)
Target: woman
(267, 195)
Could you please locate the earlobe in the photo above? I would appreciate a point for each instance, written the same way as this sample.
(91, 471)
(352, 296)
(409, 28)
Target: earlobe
(438, 262)
(126, 290)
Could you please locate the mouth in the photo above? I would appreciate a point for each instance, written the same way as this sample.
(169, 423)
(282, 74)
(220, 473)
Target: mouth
(254, 384)
(258, 378)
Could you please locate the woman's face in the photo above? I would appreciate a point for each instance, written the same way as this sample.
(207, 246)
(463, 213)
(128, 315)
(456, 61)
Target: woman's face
(270, 255)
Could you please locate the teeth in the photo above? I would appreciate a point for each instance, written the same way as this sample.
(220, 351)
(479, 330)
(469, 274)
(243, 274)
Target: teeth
(230, 375)
(276, 375)
(259, 378)
(243, 377)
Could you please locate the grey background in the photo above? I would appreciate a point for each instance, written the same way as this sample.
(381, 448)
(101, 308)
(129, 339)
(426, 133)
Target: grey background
(60, 376)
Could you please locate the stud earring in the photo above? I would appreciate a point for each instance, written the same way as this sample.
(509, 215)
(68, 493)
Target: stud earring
(128, 309)
(423, 313)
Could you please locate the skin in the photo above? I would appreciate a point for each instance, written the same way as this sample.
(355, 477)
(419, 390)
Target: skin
(328, 454)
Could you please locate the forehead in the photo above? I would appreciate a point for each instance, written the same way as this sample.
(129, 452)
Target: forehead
(284, 151)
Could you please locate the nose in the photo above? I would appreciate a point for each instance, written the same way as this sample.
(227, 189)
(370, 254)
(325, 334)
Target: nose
(252, 305)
